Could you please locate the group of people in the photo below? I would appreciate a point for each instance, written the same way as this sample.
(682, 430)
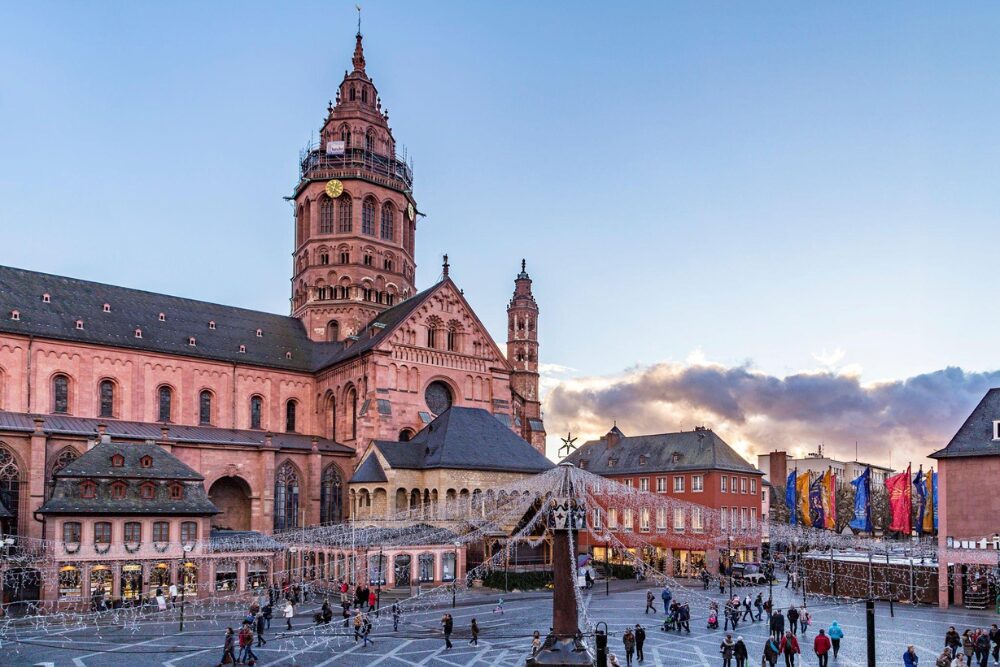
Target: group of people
(257, 620)
(960, 650)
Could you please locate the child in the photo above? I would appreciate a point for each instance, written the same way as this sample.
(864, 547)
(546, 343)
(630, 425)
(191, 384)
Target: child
(536, 644)
(499, 607)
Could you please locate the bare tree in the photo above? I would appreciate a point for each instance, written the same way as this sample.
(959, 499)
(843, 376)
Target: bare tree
(845, 506)
(779, 510)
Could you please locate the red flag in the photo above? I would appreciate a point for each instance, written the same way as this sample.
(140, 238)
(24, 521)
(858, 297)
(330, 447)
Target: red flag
(900, 501)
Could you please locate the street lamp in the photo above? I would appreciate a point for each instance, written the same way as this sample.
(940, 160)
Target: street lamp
(729, 562)
(187, 549)
(607, 565)
(378, 594)
(293, 566)
(454, 578)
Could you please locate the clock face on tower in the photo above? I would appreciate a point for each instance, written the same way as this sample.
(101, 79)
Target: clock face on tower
(334, 188)
(410, 213)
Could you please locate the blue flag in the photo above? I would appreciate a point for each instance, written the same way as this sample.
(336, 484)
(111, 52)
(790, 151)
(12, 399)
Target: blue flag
(921, 489)
(862, 502)
(934, 496)
(790, 497)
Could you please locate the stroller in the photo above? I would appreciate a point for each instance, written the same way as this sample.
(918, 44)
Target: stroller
(713, 620)
(670, 622)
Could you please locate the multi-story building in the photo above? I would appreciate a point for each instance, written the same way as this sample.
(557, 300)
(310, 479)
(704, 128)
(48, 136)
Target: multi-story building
(272, 410)
(968, 507)
(720, 489)
(777, 464)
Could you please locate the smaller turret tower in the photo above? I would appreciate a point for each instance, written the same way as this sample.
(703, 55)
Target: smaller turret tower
(522, 354)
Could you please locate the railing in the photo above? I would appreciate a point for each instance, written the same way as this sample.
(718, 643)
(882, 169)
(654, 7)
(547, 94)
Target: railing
(316, 163)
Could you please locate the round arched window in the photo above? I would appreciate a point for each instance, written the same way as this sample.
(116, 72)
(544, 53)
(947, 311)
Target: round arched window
(438, 397)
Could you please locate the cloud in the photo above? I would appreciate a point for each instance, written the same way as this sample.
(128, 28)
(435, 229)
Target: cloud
(756, 412)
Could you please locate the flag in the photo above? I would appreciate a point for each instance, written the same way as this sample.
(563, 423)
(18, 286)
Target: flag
(802, 498)
(830, 499)
(816, 494)
(862, 501)
(930, 516)
(790, 497)
(900, 501)
(934, 496)
(921, 488)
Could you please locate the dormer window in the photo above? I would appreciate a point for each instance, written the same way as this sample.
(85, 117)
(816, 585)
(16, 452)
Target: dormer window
(288, 355)
(147, 491)
(107, 308)
(211, 324)
(260, 334)
(117, 461)
(79, 324)
(176, 491)
(163, 318)
(118, 491)
(146, 461)
(583, 464)
(15, 315)
(191, 341)
(138, 333)
(612, 463)
(88, 489)
(675, 457)
(642, 459)
(46, 298)
(243, 349)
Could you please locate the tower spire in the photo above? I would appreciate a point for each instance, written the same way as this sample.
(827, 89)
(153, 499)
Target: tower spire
(359, 52)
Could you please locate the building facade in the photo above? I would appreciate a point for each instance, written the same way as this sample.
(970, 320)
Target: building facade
(777, 464)
(721, 492)
(273, 411)
(968, 506)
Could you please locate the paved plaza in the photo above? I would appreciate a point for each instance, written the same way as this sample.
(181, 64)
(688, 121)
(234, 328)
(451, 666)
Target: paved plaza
(504, 639)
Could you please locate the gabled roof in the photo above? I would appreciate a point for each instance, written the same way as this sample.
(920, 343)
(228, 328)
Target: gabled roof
(464, 439)
(166, 470)
(975, 436)
(127, 430)
(370, 471)
(700, 449)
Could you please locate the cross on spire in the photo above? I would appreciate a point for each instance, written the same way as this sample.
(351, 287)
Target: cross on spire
(445, 265)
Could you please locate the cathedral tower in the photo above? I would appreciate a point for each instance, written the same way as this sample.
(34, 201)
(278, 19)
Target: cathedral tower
(522, 354)
(355, 216)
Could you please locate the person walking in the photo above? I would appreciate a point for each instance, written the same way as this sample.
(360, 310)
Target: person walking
(822, 646)
(740, 653)
(684, 618)
(968, 647)
(758, 604)
(793, 620)
(704, 578)
(805, 619)
(747, 607)
(771, 652)
(246, 646)
(650, 598)
(777, 625)
(358, 622)
(499, 608)
(289, 613)
(953, 641)
(910, 658)
(726, 648)
(666, 596)
(474, 630)
(447, 624)
(640, 639)
(372, 601)
(944, 660)
(983, 648)
(228, 657)
(260, 629)
(366, 630)
(995, 638)
(789, 648)
(628, 640)
(397, 613)
(835, 633)
(267, 612)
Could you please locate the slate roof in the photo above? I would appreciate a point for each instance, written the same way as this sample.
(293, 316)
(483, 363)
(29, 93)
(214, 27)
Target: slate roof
(73, 299)
(127, 430)
(975, 436)
(700, 449)
(464, 439)
(370, 471)
(95, 464)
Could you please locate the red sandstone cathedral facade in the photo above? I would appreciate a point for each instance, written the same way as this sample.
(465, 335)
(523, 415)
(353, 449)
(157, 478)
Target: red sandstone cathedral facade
(273, 411)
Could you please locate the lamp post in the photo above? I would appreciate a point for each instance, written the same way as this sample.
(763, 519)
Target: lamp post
(187, 549)
(454, 577)
(607, 566)
(378, 594)
(729, 562)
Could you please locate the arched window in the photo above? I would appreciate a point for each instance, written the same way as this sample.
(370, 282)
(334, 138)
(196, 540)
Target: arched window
(345, 135)
(351, 405)
(333, 331)
(60, 394)
(107, 396)
(165, 395)
(333, 418)
(290, 409)
(331, 496)
(286, 497)
(205, 407)
(325, 215)
(388, 220)
(368, 217)
(370, 141)
(406, 435)
(344, 222)
(10, 487)
(63, 459)
(453, 337)
(256, 408)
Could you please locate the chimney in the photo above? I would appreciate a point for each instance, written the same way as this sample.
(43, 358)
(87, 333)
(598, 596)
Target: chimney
(778, 468)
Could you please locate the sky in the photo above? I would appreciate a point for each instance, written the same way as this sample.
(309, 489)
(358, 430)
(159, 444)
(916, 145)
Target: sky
(740, 194)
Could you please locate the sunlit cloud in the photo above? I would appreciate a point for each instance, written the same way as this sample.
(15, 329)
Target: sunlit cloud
(756, 412)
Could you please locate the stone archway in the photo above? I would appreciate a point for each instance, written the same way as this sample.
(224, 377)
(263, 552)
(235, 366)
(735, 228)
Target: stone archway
(232, 496)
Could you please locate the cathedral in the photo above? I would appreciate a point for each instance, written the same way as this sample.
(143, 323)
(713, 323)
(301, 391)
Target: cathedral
(273, 412)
